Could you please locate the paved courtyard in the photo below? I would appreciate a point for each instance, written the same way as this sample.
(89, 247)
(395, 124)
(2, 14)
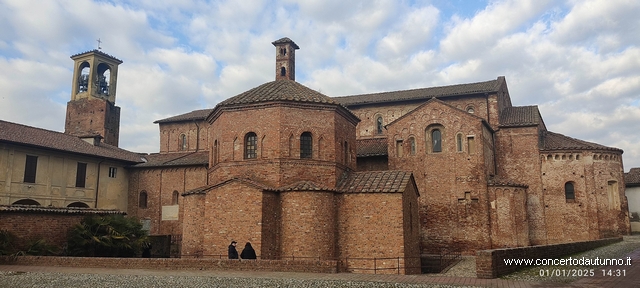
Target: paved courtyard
(41, 276)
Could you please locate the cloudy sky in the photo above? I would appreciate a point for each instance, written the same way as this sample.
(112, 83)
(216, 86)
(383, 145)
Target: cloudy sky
(579, 60)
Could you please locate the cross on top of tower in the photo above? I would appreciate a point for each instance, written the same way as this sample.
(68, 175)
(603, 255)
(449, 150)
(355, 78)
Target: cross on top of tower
(99, 42)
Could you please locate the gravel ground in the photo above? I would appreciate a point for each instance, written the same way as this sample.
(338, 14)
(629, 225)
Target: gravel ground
(465, 268)
(42, 280)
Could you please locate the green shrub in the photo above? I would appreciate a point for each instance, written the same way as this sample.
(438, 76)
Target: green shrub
(7, 242)
(106, 236)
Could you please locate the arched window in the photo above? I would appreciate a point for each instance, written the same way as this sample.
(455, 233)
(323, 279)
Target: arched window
(250, 146)
(379, 125)
(459, 142)
(436, 140)
(174, 198)
(83, 79)
(103, 78)
(283, 71)
(306, 145)
(26, 202)
(569, 192)
(412, 145)
(142, 200)
(78, 205)
(183, 142)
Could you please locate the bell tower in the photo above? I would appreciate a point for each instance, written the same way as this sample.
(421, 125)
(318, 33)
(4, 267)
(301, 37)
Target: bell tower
(92, 110)
(285, 59)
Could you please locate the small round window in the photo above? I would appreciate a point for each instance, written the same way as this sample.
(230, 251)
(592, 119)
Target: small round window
(470, 110)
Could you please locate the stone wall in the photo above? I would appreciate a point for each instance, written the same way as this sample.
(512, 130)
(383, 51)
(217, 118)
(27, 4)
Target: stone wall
(491, 264)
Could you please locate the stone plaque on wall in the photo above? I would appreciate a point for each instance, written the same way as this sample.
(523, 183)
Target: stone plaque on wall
(170, 212)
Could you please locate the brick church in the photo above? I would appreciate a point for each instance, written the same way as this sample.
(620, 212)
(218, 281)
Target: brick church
(391, 174)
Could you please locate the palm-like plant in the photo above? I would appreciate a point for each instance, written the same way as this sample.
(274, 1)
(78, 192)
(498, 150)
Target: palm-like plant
(7, 242)
(107, 236)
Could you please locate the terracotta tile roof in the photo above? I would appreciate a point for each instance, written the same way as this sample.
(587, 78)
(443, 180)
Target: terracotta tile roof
(36, 137)
(57, 210)
(520, 116)
(250, 182)
(302, 186)
(632, 179)
(193, 115)
(174, 159)
(375, 181)
(279, 90)
(97, 52)
(422, 93)
(285, 40)
(371, 147)
(555, 141)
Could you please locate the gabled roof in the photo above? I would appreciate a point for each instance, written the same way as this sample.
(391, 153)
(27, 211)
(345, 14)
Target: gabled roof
(375, 181)
(438, 101)
(632, 179)
(174, 159)
(246, 181)
(190, 116)
(46, 139)
(96, 51)
(519, 116)
(371, 147)
(555, 141)
(303, 186)
(422, 93)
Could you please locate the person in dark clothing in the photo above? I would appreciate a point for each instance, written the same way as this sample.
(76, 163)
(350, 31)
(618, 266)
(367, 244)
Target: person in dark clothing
(233, 253)
(248, 252)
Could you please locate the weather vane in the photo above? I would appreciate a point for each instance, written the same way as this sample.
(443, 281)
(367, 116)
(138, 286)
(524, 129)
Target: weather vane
(99, 42)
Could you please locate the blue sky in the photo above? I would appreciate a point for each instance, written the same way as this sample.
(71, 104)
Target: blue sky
(579, 61)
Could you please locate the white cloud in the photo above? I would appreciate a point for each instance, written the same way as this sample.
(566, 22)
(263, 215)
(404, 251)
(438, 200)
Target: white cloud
(578, 60)
(468, 36)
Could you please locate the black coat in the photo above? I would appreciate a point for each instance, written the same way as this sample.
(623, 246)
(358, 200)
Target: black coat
(233, 253)
(248, 253)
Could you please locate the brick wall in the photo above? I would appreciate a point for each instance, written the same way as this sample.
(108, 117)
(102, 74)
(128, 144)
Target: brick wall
(508, 214)
(278, 130)
(594, 213)
(91, 115)
(308, 224)
(312, 266)
(196, 133)
(373, 163)
(53, 227)
(490, 263)
(160, 183)
(371, 225)
(517, 159)
(448, 219)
